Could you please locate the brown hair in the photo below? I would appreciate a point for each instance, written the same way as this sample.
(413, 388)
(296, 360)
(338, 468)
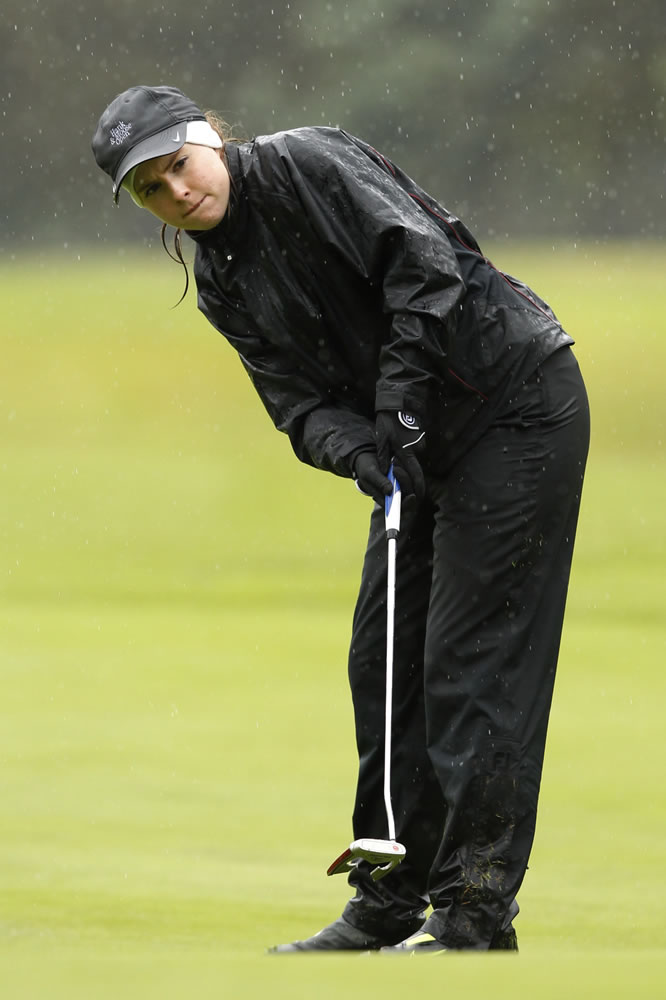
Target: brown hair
(225, 133)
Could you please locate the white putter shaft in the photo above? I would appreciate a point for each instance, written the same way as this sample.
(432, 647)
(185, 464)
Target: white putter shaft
(390, 620)
(385, 854)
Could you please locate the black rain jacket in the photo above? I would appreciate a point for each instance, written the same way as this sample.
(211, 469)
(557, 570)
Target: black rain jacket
(346, 289)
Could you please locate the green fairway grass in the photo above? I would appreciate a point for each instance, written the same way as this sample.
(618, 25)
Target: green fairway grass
(176, 743)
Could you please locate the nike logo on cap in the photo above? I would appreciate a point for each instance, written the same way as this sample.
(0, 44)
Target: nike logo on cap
(177, 139)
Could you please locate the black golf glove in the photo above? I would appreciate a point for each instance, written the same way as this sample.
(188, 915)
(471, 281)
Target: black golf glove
(401, 439)
(369, 478)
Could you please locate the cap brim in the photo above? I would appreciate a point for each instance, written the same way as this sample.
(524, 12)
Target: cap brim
(169, 140)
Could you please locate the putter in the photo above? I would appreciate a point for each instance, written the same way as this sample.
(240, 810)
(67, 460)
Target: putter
(384, 854)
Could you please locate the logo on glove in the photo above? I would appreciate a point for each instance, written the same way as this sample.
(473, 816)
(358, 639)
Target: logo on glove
(408, 421)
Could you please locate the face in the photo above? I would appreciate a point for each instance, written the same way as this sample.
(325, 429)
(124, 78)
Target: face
(188, 189)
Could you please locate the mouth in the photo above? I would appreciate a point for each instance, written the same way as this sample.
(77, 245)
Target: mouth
(194, 207)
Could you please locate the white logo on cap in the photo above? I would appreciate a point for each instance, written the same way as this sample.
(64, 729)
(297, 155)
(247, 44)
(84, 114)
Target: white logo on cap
(177, 137)
(120, 133)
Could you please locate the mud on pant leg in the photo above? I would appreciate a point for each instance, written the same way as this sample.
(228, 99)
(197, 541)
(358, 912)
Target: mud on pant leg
(505, 526)
(394, 905)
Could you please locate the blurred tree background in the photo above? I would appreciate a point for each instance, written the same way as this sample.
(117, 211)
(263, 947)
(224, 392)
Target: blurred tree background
(526, 117)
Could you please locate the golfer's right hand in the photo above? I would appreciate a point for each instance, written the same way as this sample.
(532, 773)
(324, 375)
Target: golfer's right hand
(369, 478)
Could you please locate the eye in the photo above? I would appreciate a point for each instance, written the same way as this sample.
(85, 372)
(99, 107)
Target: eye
(151, 189)
(180, 162)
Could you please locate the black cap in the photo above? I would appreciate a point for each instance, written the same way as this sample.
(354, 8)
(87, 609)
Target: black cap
(139, 124)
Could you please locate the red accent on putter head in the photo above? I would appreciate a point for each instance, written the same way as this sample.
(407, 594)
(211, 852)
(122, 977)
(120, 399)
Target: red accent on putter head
(342, 863)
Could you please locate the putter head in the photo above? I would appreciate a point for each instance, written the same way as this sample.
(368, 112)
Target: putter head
(385, 854)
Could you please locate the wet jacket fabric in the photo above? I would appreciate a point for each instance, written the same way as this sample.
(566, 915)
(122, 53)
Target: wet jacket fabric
(345, 288)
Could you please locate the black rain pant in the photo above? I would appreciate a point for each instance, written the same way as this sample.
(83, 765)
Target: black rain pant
(482, 576)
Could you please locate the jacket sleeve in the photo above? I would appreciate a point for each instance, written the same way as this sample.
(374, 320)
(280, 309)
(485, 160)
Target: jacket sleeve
(323, 433)
(360, 210)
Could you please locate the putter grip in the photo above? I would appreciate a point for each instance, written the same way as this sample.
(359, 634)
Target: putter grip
(392, 507)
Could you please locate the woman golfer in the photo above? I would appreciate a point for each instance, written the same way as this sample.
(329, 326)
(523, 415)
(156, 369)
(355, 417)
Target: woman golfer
(374, 330)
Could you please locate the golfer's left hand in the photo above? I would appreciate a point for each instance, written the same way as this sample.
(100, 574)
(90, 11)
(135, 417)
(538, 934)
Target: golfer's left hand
(401, 439)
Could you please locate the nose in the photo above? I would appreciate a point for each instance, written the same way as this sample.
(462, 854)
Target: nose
(179, 189)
